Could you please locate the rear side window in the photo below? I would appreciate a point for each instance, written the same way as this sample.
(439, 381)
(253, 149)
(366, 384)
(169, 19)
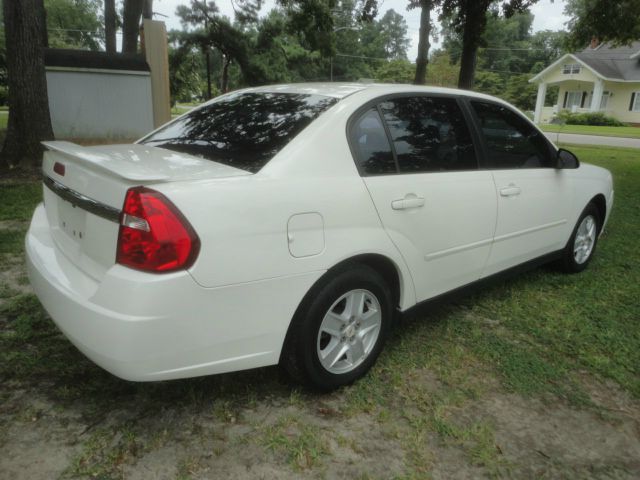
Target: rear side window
(429, 134)
(373, 151)
(243, 130)
(511, 141)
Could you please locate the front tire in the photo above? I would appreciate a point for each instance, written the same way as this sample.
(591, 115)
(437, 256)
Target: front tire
(339, 329)
(582, 244)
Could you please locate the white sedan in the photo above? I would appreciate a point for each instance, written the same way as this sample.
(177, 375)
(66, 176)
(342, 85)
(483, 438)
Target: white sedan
(288, 224)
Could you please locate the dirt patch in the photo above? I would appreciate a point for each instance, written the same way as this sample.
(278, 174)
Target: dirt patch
(288, 436)
(37, 441)
(13, 275)
(550, 440)
(449, 421)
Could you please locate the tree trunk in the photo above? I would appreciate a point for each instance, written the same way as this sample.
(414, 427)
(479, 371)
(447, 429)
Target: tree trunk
(475, 21)
(29, 119)
(226, 59)
(131, 25)
(423, 42)
(147, 10)
(110, 26)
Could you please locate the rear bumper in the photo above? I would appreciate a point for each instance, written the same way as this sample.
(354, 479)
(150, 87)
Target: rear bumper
(145, 327)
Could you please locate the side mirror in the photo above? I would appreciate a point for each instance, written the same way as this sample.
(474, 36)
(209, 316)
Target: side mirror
(566, 159)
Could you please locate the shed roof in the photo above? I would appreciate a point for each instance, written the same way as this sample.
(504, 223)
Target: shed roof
(83, 59)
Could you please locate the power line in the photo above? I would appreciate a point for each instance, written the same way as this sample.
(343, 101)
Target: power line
(361, 56)
(514, 49)
(74, 30)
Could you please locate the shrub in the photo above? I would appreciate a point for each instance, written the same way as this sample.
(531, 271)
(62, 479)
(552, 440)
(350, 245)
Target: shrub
(589, 118)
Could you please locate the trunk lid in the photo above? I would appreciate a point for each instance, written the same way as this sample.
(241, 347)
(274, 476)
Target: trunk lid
(83, 204)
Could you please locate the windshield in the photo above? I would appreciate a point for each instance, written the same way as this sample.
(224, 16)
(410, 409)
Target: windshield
(243, 130)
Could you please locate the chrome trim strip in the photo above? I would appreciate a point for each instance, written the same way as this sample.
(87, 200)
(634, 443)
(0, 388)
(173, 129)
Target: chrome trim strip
(461, 248)
(509, 236)
(482, 243)
(79, 200)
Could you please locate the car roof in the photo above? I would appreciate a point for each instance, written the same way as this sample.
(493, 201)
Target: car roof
(344, 89)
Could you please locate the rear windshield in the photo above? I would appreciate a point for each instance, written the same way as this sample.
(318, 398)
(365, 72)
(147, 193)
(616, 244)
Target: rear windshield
(243, 130)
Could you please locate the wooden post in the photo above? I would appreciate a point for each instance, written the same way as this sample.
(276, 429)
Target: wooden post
(156, 52)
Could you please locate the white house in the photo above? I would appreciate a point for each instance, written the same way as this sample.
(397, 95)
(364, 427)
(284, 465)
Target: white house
(601, 78)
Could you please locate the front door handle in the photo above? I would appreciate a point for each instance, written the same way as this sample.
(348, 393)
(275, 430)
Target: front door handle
(510, 191)
(409, 201)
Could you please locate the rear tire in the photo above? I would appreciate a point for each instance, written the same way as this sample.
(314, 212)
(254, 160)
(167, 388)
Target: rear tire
(582, 244)
(339, 329)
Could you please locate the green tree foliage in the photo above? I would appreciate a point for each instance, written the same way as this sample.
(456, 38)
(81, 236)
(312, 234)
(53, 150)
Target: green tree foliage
(313, 21)
(395, 71)
(392, 29)
(468, 18)
(442, 72)
(281, 51)
(185, 70)
(366, 47)
(279, 55)
(615, 21)
(509, 56)
(520, 92)
(214, 31)
(74, 24)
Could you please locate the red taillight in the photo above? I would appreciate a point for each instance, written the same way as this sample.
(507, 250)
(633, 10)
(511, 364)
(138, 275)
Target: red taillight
(154, 236)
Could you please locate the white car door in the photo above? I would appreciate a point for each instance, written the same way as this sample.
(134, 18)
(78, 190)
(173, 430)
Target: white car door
(534, 198)
(436, 206)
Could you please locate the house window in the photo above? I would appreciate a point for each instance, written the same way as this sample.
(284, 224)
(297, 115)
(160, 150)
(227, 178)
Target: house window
(635, 102)
(573, 99)
(571, 68)
(605, 100)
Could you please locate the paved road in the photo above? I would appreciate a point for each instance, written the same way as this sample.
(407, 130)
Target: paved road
(593, 140)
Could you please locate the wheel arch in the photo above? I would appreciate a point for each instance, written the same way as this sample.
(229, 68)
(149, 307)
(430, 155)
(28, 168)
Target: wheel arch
(382, 264)
(387, 269)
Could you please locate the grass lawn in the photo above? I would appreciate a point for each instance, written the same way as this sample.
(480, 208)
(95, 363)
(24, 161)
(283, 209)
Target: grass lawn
(627, 132)
(4, 118)
(451, 396)
(181, 108)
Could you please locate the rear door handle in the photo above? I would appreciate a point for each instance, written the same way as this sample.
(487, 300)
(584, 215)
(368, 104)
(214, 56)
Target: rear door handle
(510, 191)
(409, 201)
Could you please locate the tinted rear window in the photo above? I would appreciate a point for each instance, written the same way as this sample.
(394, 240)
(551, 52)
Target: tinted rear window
(243, 130)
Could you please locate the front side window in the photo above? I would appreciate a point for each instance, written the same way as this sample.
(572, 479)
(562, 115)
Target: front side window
(242, 130)
(429, 134)
(511, 141)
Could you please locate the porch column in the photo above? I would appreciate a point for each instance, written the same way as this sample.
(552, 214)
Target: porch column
(598, 89)
(542, 93)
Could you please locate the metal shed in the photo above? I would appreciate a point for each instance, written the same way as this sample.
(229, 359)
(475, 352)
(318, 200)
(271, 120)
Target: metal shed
(95, 95)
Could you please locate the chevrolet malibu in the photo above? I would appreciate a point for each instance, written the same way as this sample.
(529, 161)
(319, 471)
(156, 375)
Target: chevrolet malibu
(289, 224)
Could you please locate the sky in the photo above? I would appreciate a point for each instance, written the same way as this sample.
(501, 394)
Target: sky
(548, 16)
